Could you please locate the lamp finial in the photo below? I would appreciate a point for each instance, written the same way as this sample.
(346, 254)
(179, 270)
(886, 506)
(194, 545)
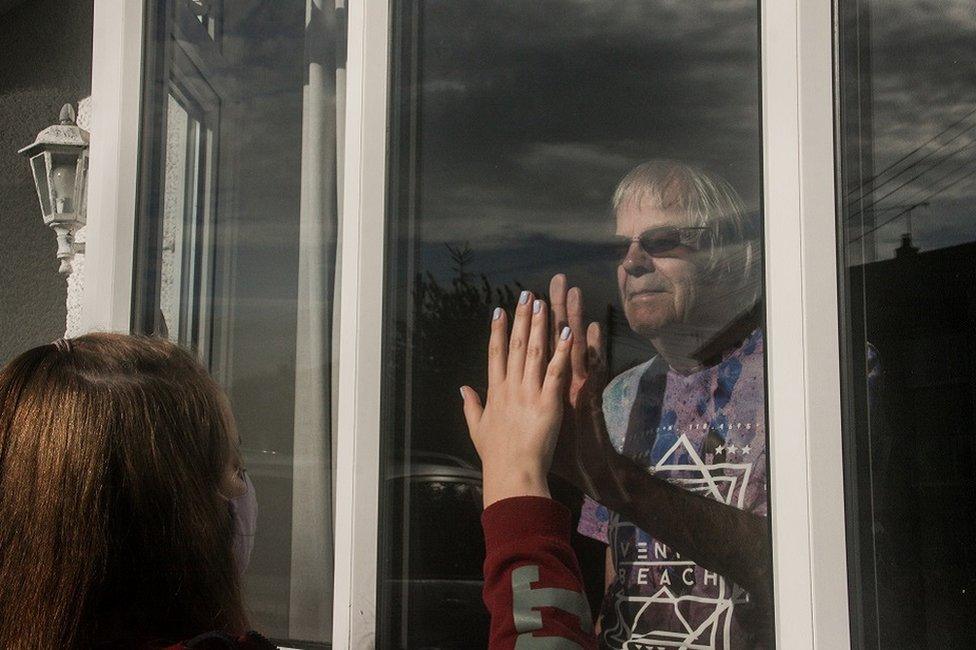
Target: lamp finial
(67, 114)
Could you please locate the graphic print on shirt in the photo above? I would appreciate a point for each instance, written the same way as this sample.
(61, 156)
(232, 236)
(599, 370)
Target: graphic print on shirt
(699, 618)
(705, 432)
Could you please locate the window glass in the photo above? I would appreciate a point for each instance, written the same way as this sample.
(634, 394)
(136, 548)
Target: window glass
(187, 214)
(907, 159)
(236, 259)
(513, 127)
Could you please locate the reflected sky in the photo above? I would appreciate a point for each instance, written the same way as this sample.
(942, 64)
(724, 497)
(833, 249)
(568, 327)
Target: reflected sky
(924, 124)
(531, 112)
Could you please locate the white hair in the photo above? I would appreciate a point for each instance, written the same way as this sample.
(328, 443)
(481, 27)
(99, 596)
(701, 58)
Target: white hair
(729, 238)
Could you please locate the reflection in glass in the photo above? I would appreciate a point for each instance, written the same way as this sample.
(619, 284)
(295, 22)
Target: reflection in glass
(908, 185)
(179, 219)
(618, 143)
(236, 260)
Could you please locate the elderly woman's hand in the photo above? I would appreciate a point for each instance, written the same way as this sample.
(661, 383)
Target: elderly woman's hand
(585, 456)
(515, 432)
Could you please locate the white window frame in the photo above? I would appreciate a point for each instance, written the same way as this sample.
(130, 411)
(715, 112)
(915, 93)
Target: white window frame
(361, 324)
(803, 353)
(807, 493)
(117, 46)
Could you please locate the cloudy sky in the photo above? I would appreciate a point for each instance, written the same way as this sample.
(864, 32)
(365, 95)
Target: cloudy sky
(923, 93)
(531, 112)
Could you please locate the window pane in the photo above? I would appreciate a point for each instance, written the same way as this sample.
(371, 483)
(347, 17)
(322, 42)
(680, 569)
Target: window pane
(908, 184)
(512, 127)
(236, 260)
(185, 206)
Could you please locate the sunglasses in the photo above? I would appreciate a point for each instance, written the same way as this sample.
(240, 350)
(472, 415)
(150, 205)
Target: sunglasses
(660, 241)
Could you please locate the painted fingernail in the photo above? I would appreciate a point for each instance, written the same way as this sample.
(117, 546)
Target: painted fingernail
(523, 297)
(497, 313)
(463, 394)
(565, 333)
(536, 306)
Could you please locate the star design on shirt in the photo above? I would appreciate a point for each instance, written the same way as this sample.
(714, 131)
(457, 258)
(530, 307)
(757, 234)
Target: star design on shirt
(732, 449)
(747, 449)
(720, 449)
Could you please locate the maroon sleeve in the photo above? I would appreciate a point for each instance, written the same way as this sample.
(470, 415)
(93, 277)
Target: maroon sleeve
(533, 587)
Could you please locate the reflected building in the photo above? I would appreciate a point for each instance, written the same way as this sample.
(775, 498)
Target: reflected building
(917, 446)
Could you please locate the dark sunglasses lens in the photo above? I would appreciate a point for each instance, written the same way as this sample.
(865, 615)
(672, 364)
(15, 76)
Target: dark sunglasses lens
(660, 243)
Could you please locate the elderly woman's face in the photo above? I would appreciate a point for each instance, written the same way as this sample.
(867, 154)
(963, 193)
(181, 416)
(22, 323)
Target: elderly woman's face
(657, 289)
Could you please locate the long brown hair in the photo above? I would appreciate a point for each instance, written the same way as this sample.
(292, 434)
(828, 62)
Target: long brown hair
(112, 450)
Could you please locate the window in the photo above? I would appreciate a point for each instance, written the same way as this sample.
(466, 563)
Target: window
(511, 128)
(236, 256)
(907, 119)
(187, 248)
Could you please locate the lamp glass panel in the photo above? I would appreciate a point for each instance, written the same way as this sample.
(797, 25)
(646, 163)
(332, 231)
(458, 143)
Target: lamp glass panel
(81, 184)
(39, 168)
(64, 168)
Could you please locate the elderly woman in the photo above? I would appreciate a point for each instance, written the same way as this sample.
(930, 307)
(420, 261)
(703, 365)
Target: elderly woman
(671, 453)
(676, 465)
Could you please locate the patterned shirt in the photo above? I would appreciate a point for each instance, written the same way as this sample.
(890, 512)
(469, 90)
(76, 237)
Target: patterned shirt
(705, 432)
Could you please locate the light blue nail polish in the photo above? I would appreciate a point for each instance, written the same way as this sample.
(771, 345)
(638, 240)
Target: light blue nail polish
(536, 306)
(565, 333)
(497, 313)
(523, 297)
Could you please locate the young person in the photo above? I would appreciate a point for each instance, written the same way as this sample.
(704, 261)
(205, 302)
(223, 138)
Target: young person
(127, 515)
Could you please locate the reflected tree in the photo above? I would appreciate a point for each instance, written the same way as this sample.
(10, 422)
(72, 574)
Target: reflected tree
(450, 338)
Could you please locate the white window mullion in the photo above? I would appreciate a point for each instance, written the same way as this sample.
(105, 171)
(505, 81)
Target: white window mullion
(806, 462)
(117, 46)
(360, 324)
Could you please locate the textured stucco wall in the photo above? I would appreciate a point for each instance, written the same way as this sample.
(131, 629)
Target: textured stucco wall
(45, 61)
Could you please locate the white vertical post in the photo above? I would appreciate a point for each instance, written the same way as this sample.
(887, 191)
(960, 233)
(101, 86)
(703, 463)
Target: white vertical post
(116, 93)
(310, 609)
(806, 469)
(361, 324)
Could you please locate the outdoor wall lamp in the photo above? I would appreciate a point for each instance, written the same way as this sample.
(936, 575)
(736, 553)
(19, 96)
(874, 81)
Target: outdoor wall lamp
(59, 162)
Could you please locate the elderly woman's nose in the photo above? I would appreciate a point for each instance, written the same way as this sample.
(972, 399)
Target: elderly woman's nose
(637, 261)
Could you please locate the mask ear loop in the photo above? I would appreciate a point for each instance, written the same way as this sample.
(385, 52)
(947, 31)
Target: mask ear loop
(62, 345)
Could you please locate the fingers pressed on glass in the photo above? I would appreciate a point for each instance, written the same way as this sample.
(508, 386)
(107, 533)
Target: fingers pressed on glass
(520, 338)
(595, 351)
(574, 303)
(535, 355)
(497, 348)
(557, 372)
(557, 297)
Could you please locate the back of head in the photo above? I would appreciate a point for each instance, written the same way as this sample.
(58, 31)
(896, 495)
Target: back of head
(111, 454)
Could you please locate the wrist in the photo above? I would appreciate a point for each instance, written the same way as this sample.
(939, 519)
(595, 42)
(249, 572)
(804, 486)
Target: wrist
(508, 482)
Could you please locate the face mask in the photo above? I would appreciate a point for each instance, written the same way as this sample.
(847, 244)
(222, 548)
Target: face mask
(244, 519)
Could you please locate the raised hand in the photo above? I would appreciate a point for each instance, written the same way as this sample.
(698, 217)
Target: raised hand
(515, 432)
(584, 455)
(567, 310)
